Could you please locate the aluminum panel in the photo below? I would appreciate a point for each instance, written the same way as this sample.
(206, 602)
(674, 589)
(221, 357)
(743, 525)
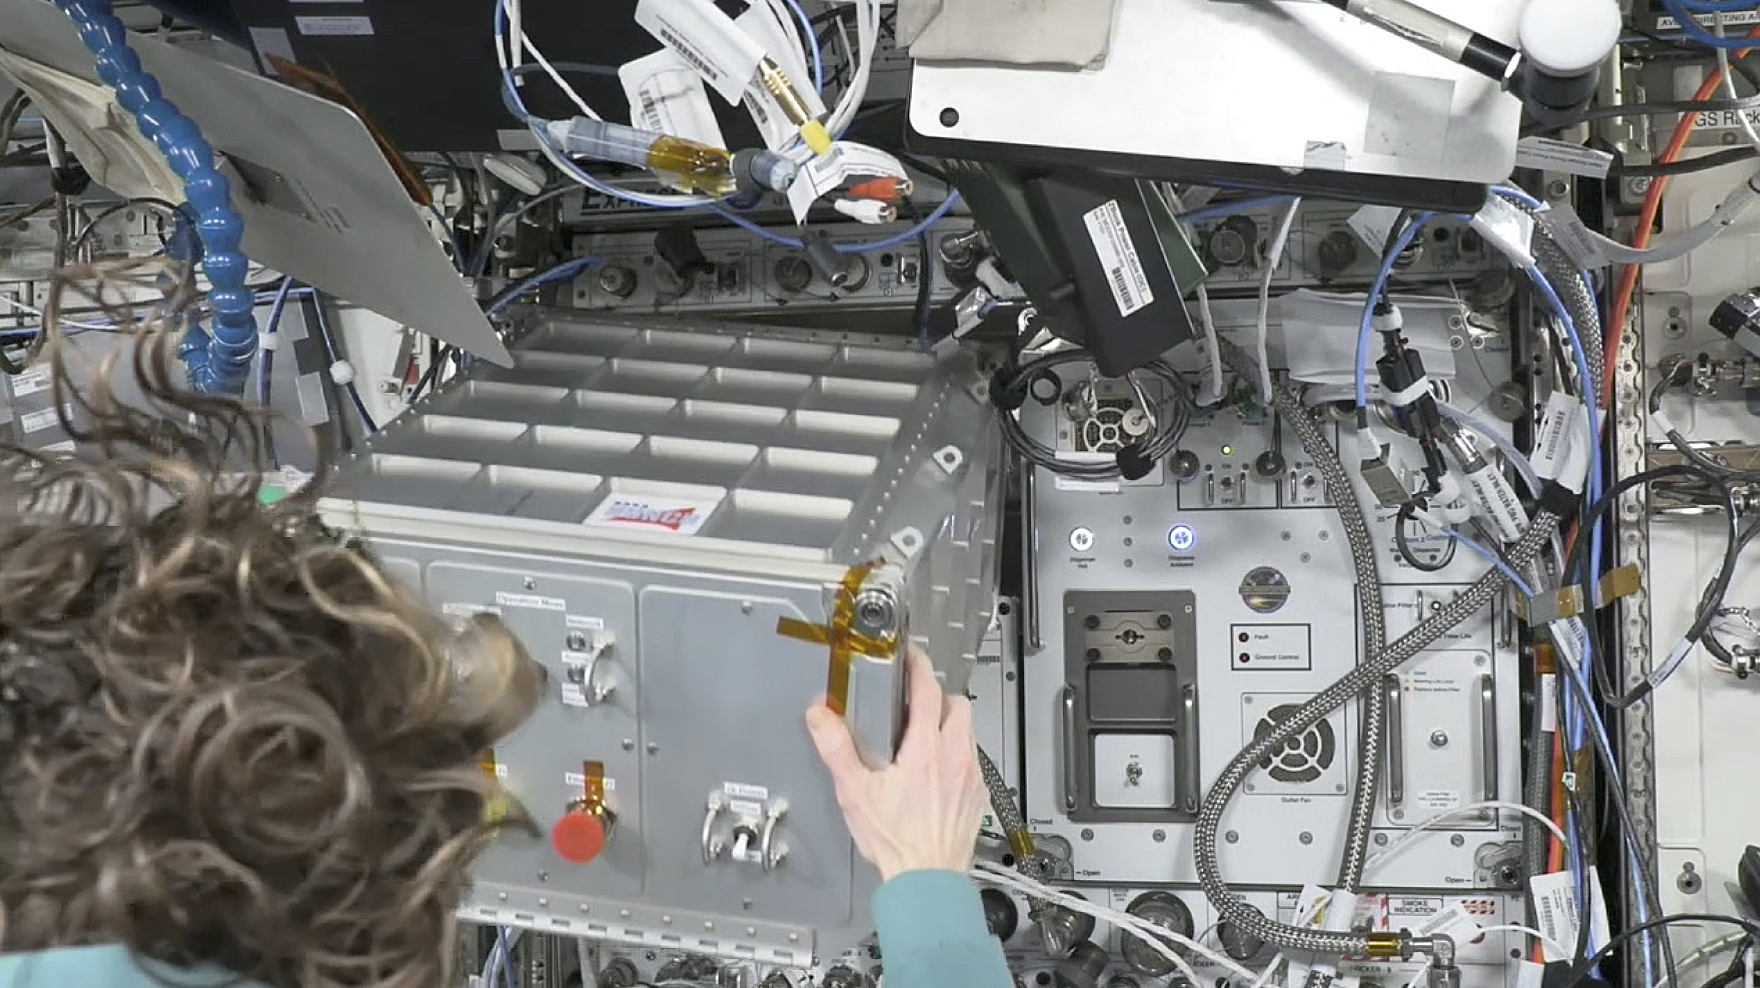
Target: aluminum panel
(723, 699)
(542, 763)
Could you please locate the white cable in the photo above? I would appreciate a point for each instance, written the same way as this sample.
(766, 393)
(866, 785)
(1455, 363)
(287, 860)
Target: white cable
(867, 42)
(1273, 257)
(555, 76)
(1212, 392)
(1490, 804)
(1729, 84)
(1155, 936)
(1562, 950)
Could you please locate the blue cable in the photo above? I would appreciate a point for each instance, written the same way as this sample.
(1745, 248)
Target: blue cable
(561, 272)
(219, 360)
(266, 360)
(1493, 558)
(937, 215)
(1365, 332)
(458, 258)
(1234, 207)
(811, 40)
(354, 393)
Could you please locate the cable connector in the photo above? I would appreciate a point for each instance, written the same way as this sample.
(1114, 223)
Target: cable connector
(870, 211)
(342, 372)
(883, 189)
(1133, 463)
(1387, 318)
(1383, 480)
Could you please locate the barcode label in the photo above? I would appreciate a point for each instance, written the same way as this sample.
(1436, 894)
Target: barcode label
(666, 96)
(1127, 280)
(706, 40)
(29, 383)
(1555, 435)
(1555, 908)
(1121, 286)
(682, 49)
(38, 421)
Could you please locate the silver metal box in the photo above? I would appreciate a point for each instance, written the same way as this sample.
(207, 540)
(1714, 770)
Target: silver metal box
(685, 524)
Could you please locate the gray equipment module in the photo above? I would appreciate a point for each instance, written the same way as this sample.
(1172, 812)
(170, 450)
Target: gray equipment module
(688, 529)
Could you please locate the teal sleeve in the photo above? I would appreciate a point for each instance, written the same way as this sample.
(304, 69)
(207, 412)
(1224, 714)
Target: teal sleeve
(932, 934)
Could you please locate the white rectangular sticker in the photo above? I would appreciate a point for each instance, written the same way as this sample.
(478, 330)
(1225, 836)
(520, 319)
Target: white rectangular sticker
(1118, 256)
(334, 26)
(1556, 434)
(579, 781)
(38, 421)
(706, 39)
(1735, 18)
(672, 515)
(1725, 119)
(1555, 906)
(532, 601)
(581, 622)
(666, 96)
(1452, 922)
(1547, 155)
(29, 383)
(739, 790)
(1438, 799)
(1373, 225)
(1549, 703)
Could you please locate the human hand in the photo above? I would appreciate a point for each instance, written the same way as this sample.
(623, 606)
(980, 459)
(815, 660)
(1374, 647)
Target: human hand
(922, 812)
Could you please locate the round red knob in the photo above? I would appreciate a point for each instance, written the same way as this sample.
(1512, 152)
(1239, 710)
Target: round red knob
(579, 836)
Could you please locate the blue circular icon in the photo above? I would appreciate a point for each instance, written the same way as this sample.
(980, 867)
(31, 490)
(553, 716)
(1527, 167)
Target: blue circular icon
(1182, 538)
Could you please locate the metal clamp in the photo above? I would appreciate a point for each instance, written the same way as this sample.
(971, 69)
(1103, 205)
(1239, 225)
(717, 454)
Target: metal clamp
(587, 678)
(1070, 748)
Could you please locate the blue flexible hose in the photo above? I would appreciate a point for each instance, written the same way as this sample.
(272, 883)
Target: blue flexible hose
(219, 358)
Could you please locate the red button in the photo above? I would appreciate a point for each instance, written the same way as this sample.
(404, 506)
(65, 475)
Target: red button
(579, 837)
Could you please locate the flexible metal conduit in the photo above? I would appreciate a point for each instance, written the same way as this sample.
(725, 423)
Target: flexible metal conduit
(1008, 812)
(1234, 909)
(1585, 311)
(1366, 566)
(218, 362)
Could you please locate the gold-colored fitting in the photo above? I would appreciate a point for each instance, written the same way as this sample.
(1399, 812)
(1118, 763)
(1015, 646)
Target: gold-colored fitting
(793, 106)
(1385, 946)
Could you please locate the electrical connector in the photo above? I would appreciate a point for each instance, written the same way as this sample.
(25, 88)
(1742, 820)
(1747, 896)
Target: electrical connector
(870, 211)
(883, 189)
(1381, 476)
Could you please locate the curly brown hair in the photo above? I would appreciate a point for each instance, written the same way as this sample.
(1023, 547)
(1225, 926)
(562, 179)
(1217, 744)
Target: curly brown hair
(226, 736)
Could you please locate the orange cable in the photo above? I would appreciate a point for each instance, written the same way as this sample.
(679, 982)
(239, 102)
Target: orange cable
(1627, 285)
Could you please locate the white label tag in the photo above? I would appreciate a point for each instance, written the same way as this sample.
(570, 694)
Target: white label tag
(698, 32)
(29, 383)
(1725, 119)
(1118, 256)
(676, 516)
(1555, 906)
(1438, 799)
(1530, 974)
(831, 169)
(581, 622)
(532, 601)
(666, 96)
(454, 609)
(1556, 434)
(1566, 640)
(1373, 225)
(1547, 155)
(1511, 229)
(1499, 502)
(334, 26)
(739, 790)
(1567, 230)
(38, 421)
(65, 446)
(1454, 923)
(1575, 468)
(1549, 702)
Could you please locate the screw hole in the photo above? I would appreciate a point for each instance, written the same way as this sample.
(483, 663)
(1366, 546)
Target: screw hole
(949, 117)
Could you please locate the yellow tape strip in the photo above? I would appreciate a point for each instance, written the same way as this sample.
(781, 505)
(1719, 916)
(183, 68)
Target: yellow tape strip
(840, 637)
(595, 775)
